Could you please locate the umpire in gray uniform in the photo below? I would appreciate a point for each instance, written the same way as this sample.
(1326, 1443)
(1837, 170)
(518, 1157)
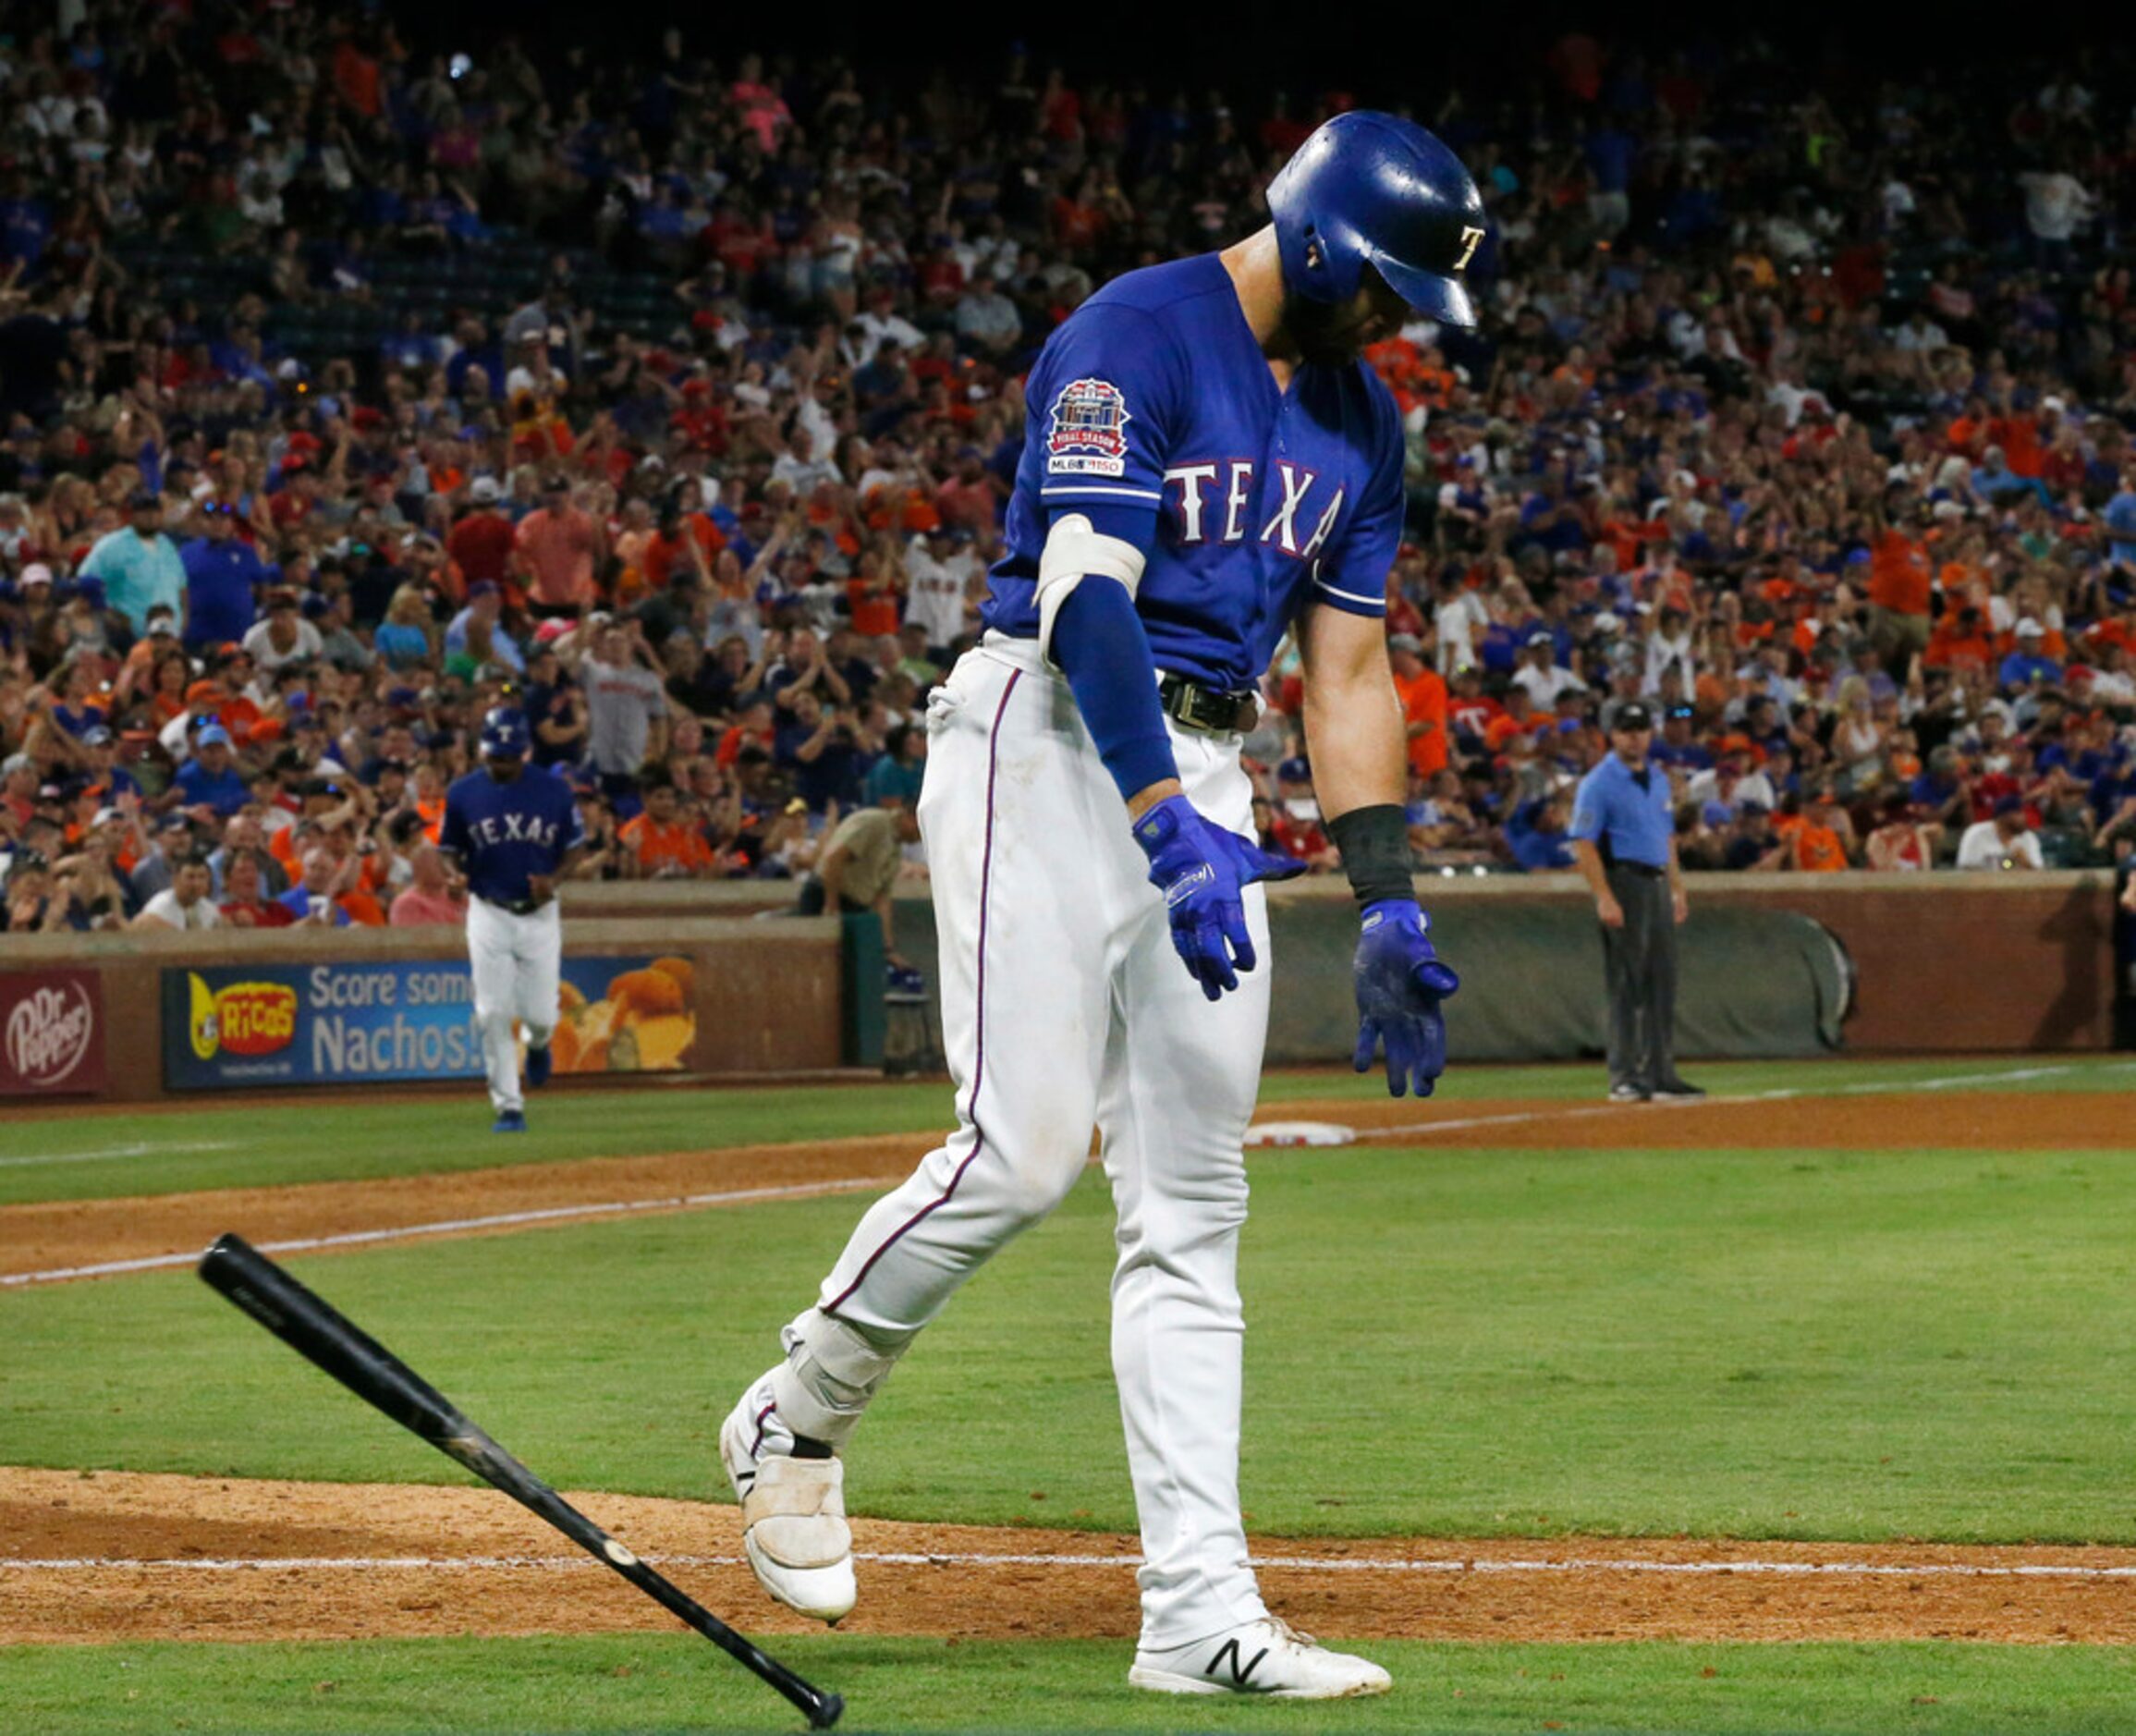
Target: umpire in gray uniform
(1623, 836)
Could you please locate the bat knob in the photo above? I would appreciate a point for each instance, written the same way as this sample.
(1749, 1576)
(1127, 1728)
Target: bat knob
(826, 1710)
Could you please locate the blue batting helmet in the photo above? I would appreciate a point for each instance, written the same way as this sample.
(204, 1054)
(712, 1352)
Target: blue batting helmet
(503, 734)
(1369, 188)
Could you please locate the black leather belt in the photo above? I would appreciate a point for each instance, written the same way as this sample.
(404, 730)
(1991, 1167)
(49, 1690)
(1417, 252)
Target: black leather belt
(1208, 708)
(516, 907)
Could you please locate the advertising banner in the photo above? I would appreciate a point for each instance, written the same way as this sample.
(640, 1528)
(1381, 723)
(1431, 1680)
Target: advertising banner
(229, 1026)
(51, 1033)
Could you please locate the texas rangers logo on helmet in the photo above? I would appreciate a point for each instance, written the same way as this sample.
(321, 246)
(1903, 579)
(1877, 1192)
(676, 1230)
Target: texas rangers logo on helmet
(1090, 430)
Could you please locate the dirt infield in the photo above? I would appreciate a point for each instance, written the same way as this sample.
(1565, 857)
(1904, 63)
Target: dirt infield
(66, 1238)
(103, 1556)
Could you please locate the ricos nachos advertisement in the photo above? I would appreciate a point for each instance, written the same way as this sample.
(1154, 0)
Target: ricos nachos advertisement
(336, 1024)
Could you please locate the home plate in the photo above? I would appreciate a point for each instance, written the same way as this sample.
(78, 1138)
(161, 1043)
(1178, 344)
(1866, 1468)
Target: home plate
(1300, 1134)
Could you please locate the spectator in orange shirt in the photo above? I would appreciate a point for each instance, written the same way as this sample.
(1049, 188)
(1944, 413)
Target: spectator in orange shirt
(1422, 691)
(872, 592)
(1520, 717)
(1819, 842)
(970, 498)
(661, 843)
(1961, 642)
(1899, 580)
(556, 553)
(685, 542)
(753, 727)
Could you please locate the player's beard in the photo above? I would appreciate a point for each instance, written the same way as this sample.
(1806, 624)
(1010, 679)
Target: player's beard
(1327, 334)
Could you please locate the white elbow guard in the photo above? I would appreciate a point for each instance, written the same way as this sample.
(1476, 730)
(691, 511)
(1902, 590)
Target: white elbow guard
(1076, 550)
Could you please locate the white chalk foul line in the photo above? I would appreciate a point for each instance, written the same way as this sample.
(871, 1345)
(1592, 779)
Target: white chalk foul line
(1947, 1081)
(456, 1225)
(139, 1148)
(1450, 1566)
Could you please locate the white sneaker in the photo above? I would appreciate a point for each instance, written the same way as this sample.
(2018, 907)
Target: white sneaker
(793, 1510)
(1266, 1657)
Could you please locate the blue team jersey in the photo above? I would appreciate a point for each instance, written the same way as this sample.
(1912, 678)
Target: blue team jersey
(1154, 395)
(502, 833)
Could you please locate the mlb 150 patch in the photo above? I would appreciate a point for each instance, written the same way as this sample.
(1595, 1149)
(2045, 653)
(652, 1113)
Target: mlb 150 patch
(1090, 431)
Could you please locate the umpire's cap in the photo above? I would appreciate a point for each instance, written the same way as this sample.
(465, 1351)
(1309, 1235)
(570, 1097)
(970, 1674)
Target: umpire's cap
(504, 734)
(1373, 188)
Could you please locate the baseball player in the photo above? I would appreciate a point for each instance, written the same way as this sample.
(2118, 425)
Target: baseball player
(515, 831)
(1207, 466)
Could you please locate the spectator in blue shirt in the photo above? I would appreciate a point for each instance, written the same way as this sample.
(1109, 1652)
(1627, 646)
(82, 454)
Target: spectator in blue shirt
(2025, 665)
(1678, 746)
(900, 770)
(223, 579)
(1995, 482)
(2112, 793)
(1535, 833)
(2120, 517)
(314, 899)
(209, 779)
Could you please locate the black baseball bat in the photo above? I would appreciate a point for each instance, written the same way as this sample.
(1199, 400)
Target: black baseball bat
(322, 1334)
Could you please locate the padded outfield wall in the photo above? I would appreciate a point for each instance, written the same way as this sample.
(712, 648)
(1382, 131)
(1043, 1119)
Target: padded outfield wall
(1769, 965)
(1772, 965)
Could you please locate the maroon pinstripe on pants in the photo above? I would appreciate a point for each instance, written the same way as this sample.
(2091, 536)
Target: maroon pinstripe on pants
(979, 1017)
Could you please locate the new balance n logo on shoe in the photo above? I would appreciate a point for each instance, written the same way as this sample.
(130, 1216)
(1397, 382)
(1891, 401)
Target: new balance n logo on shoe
(1240, 1676)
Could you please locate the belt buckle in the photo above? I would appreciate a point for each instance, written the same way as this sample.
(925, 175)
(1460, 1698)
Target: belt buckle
(1201, 708)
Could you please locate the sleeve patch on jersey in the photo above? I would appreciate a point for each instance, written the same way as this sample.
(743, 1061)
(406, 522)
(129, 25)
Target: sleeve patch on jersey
(1090, 431)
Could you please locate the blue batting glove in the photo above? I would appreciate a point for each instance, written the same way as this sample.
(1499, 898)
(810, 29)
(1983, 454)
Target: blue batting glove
(1201, 868)
(1400, 982)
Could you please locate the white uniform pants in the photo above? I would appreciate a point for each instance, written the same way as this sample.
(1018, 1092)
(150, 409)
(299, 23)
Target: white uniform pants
(1064, 1005)
(517, 961)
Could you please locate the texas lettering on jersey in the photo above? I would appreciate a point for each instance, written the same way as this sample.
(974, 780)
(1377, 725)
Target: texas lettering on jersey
(1228, 487)
(1152, 407)
(505, 833)
(513, 828)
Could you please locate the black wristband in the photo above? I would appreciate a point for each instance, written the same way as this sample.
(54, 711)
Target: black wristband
(1374, 843)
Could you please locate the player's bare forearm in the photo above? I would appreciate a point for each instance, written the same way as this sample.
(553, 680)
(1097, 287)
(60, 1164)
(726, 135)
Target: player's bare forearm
(1588, 859)
(1353, 721)
(1144, 800)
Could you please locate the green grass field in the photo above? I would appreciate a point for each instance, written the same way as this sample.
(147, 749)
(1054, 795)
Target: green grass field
(641, 1685)
(1761, 1344)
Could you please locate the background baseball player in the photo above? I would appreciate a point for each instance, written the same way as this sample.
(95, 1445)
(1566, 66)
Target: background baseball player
(1206, 466)
(516, 830)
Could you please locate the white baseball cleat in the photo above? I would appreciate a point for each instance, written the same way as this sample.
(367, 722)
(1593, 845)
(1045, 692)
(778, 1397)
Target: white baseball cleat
(793, 1510)
(1268, 1657)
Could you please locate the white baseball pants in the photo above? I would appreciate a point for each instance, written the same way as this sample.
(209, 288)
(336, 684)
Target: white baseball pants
(517, 962)
(1064, 1007)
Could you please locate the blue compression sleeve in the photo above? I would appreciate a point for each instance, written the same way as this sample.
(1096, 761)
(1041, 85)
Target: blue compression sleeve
(1099, 642)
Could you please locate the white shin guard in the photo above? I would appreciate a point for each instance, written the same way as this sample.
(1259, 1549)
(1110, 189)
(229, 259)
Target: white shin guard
(832, 1370)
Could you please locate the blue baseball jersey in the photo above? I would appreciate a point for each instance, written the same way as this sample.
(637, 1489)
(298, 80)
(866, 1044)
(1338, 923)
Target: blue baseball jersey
(1153, 394)
(502, 833)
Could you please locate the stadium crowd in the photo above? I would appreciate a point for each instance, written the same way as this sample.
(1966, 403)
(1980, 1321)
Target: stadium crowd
(1800, 412)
